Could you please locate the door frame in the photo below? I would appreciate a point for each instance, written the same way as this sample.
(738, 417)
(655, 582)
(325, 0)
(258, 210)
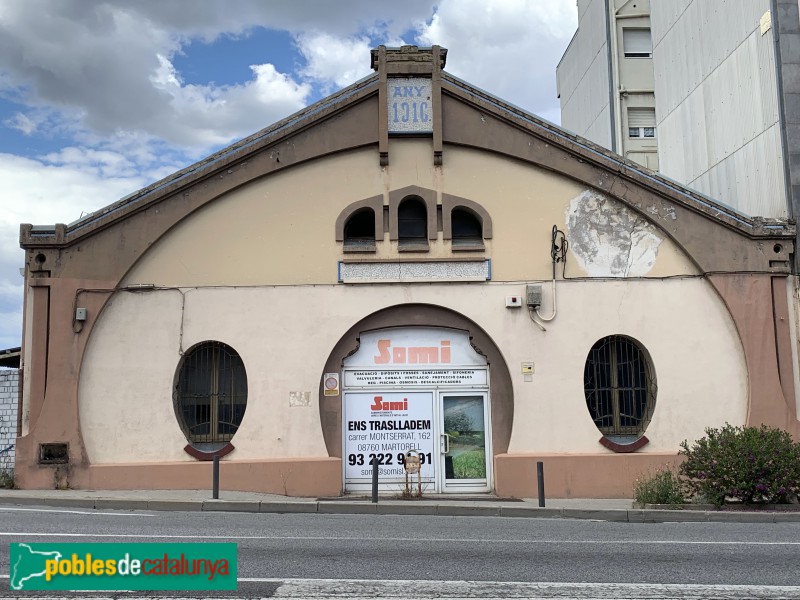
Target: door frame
(469, 486)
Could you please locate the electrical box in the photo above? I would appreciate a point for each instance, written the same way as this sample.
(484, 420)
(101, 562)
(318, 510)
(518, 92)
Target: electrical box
(80, 314)
(513, 301)
(533, 295)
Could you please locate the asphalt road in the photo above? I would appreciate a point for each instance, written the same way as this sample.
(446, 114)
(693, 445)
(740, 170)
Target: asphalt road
(274, 549)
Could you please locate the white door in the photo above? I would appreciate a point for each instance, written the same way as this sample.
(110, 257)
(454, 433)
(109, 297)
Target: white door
(464, 442)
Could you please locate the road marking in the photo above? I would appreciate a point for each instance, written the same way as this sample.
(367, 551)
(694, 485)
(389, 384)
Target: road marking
(382, 540)
(77, 512)
(310, 588)
(423, 589)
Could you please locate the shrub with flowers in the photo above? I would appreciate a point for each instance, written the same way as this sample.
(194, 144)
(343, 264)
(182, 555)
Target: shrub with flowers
(749, 464)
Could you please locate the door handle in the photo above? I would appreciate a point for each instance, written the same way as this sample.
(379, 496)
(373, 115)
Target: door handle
(446, 440)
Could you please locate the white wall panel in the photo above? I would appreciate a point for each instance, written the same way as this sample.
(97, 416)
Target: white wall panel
(716, 102)
(582, 78)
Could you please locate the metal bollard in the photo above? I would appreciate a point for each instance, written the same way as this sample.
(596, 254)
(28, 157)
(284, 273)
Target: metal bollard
(540, 481)
(375, 480)
(215, 478)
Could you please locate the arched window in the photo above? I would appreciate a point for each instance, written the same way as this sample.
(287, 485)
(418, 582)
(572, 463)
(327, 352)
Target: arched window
(412, 222)
(467, 228)
(210, 394)
(620, 386)
(359, 230)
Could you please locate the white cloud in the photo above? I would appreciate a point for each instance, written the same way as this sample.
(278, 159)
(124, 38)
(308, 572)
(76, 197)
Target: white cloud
(335, 62)
(58, 188)
(508, 48)
(24, 123)
(100, 73)
(107, 63)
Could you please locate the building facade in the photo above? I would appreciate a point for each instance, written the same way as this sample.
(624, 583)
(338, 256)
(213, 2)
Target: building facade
(718, 83)
(410, 265)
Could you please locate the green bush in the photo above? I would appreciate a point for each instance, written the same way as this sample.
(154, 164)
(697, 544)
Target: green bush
(662, 487)
(6, 479)
(749, 464)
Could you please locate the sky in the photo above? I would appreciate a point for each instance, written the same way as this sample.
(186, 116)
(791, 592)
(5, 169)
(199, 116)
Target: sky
(99, 98)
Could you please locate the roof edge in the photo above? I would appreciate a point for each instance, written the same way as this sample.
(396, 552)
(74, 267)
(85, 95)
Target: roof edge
(37, 235)
(751, 226)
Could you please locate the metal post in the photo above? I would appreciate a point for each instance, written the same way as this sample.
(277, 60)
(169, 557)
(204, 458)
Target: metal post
(540, 481)
(215, 477)
(375, 480)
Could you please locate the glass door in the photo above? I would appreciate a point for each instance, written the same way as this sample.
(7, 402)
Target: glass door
(464, 443)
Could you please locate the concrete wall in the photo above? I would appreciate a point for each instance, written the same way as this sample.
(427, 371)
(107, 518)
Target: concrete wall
(717, 102)
(583, 77)
(9, 397)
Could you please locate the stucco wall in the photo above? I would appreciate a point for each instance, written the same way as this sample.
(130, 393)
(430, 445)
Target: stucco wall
(9, 396)
(280, 229)
(284, 335)
(257, 270)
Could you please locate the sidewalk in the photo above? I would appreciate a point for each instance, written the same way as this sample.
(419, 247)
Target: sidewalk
(619, 510)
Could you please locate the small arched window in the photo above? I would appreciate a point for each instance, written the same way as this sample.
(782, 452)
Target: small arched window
(412, 222)
(210, 394)
(359, 230)
(467, 228)
(620, 386)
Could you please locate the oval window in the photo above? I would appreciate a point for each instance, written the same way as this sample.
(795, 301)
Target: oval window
(620, 386)
(210, 395)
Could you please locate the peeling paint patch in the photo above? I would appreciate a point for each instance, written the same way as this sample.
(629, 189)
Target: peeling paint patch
(608, 239)
(299, 398)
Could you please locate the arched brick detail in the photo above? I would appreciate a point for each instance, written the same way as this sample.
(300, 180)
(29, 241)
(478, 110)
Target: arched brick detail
(450, 202)
(375, 203)
(427, 196)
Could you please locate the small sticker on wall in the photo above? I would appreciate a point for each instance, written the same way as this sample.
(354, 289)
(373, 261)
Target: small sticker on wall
(527, 371)
(330, 384)
(299, 398)
(527, 368)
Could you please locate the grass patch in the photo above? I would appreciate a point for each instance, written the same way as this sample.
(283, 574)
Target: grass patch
(470, 465)
(662, 487)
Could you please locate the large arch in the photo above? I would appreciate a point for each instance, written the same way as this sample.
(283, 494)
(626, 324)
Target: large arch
(419, 315)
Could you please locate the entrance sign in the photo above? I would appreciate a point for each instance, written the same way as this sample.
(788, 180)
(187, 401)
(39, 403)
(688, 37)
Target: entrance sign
(428, 377)
(386, 426)
(418, 348)
(418, 390)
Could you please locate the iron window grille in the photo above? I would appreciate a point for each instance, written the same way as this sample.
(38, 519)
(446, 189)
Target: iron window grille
(620, 386)
(211, 393)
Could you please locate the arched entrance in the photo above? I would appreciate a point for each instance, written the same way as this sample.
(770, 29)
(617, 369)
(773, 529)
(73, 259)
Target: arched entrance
(418, 377)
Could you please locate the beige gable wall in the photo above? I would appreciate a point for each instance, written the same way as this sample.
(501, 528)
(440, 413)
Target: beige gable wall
(275, 237)
(280, 229)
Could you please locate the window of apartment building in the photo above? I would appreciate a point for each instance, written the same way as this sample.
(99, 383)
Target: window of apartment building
(637, 43)
(620, 387)
(210, 394)
(641, 122)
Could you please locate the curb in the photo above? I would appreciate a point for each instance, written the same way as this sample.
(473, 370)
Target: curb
(636, 515)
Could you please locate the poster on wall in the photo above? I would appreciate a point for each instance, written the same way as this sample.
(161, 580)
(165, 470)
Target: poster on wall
(386, 426)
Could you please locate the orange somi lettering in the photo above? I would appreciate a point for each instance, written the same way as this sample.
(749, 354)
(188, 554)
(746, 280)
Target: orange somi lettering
(412, 355)
(379, 404)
